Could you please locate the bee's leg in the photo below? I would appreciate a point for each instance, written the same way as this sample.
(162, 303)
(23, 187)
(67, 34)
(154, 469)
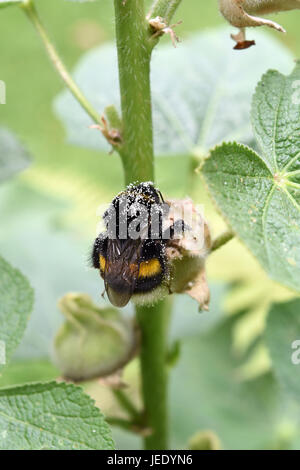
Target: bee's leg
(161, 196)
(176, 230)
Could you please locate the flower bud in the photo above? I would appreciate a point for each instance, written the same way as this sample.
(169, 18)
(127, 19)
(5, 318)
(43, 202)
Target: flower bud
(185, 254)
(242, 14)
(93, 341)
(204, 440)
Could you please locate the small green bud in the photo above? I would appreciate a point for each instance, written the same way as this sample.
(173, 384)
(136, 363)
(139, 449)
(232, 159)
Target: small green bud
(285, 434)
(204, 440)
(113, 117)
(93, 341)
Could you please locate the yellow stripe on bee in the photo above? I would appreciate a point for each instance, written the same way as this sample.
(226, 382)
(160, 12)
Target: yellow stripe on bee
(102, 262)
(150, 268)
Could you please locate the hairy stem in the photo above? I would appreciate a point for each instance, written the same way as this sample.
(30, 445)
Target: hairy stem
(134, 73)
(30, 10)
(222, 240)
(154, 323)
(164, 8)
(134, 53)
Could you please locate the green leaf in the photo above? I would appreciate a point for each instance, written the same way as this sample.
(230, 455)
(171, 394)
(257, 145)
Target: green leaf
(25, 371)
(276, 121)
(260, 195)
(16, 301)
(13, 157)
(8, 3)
(200, 92)
(283, 329)
(51, 416)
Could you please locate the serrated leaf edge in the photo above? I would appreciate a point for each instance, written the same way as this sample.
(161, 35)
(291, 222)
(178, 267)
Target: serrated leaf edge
(47, 386)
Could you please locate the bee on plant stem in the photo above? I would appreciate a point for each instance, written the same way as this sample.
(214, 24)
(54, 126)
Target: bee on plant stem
(151, 248)
(131, 253)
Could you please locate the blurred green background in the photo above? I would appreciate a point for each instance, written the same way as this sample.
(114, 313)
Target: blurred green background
(48, 222)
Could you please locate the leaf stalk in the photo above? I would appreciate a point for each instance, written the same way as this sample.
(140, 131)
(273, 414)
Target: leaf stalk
(164, 8)
(29, 9)
(222, 240)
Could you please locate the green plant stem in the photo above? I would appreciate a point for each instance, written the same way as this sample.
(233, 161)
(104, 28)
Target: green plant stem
(134, 54)
(154, 323)
(30, 10)
(222, 240)
(164, 8)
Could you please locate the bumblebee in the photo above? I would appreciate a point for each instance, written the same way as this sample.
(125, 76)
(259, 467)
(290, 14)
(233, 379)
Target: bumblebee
(131, 253)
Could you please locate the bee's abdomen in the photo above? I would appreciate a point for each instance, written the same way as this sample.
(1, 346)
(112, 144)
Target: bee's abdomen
(151, 275)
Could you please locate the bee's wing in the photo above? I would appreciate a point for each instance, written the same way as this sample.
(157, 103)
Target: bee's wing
(121, 270)
(117, 298)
